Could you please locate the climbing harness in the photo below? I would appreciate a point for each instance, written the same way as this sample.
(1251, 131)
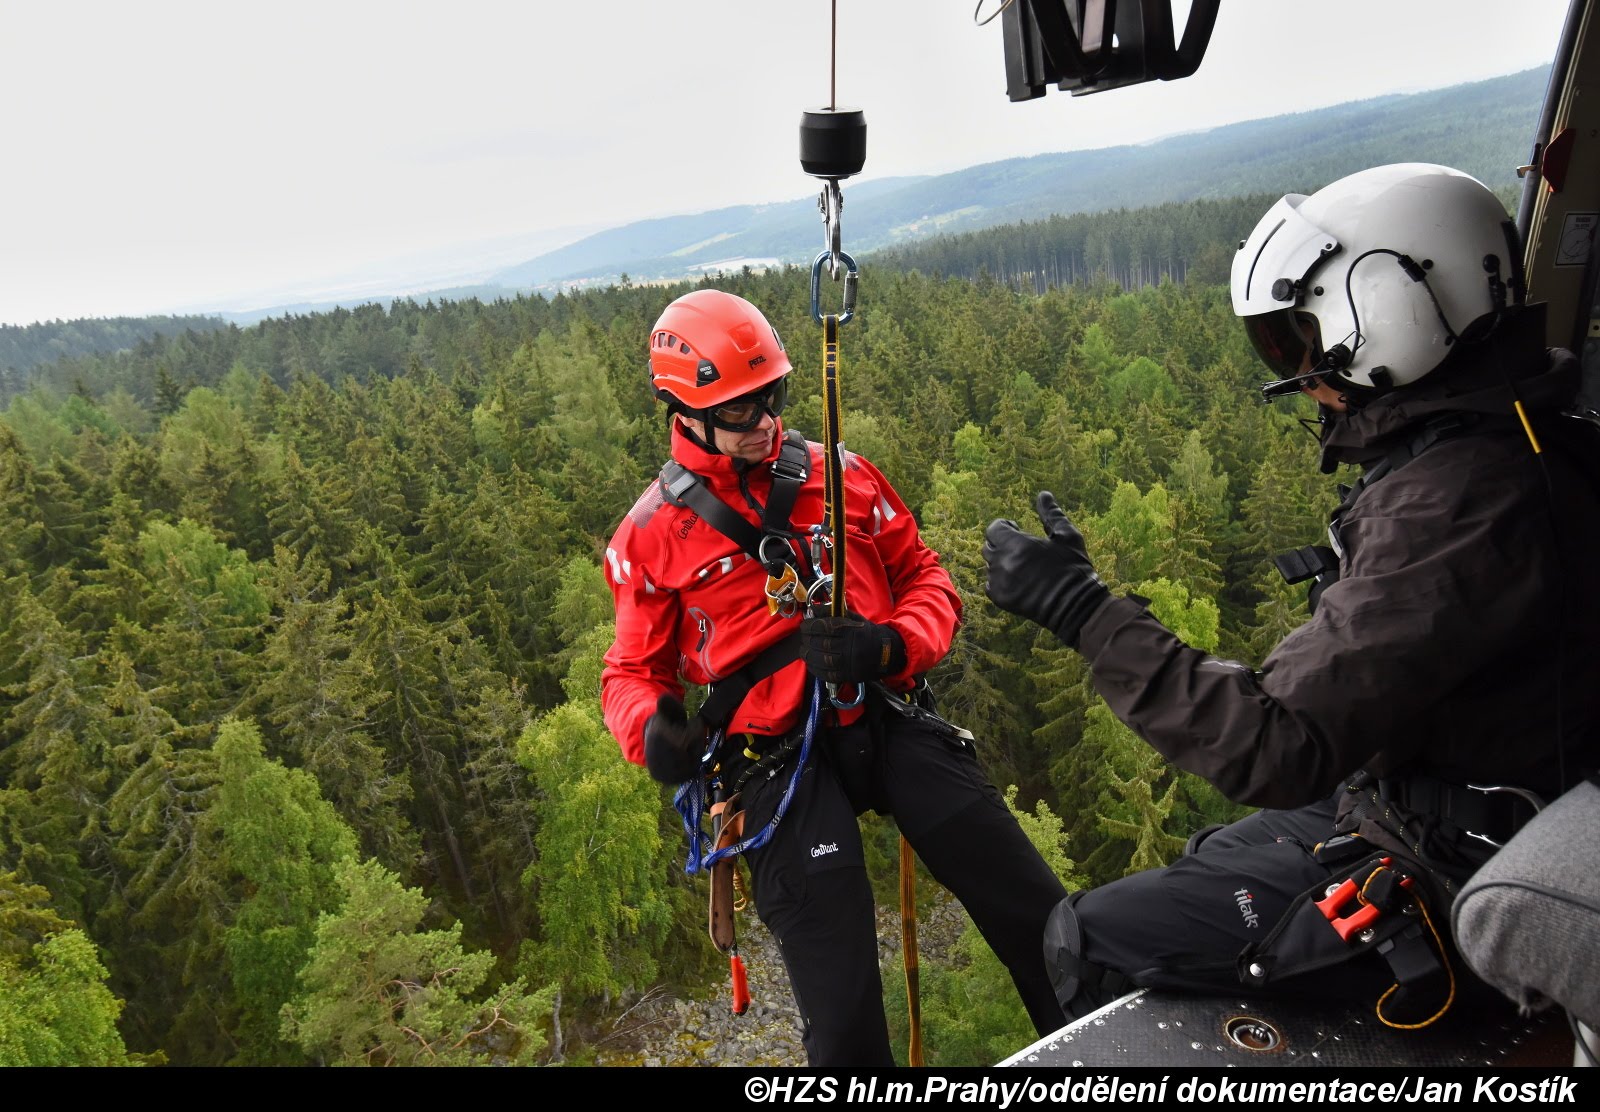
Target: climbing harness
(707, 796)
(1380, 906)
(771, 544)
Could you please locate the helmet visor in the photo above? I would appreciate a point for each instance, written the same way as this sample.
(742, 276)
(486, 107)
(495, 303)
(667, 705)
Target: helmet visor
(744, 413)
(1286, 341)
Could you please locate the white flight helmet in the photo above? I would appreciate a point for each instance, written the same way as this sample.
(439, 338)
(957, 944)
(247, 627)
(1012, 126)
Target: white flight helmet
(1378, 275)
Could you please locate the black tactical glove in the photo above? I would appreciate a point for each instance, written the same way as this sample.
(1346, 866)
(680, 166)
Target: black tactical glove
(851, 649)
(672, 743)
(1048, 579)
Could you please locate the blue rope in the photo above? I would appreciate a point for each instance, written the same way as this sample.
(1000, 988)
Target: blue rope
(690, 801)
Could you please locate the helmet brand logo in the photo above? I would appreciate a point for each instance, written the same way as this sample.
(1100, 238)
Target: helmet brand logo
(757, 361)
(1247, 908)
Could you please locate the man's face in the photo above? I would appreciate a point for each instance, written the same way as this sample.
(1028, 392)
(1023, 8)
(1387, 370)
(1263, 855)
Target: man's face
(752, 445)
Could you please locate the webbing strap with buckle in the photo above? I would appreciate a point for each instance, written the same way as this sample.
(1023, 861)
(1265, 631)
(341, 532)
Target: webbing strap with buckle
(1444, 427)
(728, 693)
(1312, 561)
(789, 473)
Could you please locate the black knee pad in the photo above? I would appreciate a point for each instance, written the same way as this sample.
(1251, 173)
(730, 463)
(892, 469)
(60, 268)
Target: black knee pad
(1063, 938)
(1080, 986)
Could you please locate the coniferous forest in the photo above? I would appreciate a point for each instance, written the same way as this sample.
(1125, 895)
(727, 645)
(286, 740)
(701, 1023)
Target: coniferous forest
(301, 757)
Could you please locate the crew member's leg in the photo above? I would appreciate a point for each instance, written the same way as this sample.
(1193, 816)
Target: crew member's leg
(1307, 826)
(1184, 925)
(966, 836)
(812, 892)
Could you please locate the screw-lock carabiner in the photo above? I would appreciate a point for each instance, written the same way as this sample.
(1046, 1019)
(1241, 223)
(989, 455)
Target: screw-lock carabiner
(851, 275)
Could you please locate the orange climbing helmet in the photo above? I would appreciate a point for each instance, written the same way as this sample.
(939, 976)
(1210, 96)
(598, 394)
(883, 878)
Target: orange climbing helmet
(709, 347)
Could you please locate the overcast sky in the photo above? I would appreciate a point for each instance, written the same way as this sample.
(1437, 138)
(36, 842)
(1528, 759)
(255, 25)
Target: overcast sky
(165, 155)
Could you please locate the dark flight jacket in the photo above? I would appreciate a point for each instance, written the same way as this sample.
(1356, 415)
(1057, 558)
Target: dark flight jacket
(1467, 604)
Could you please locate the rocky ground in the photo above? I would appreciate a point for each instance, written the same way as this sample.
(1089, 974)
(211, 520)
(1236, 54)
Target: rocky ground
(676, 1031)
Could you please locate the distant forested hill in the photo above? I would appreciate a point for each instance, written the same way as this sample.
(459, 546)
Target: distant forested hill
(1483, 128)
(1193, 240)
(23, 347)
(1188, 241)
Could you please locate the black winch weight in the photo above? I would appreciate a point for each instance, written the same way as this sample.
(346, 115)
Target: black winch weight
(833, 142)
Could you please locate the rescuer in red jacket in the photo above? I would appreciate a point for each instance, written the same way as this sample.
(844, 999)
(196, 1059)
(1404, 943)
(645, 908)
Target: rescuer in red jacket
(710, 571)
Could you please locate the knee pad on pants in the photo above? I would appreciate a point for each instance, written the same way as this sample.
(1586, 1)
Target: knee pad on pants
(1080, 986)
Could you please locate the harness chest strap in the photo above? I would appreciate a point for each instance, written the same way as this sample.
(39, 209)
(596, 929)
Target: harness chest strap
(727, 694)
(1492, 814)
(683, 487)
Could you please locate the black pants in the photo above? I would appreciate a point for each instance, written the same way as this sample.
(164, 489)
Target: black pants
(1183, 926)
(812, 892)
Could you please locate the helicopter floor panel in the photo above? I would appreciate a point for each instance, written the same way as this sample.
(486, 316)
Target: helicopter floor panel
(1150, 1028)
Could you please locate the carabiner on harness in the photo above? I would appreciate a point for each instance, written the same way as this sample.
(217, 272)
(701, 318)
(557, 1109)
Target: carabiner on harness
(843, 704)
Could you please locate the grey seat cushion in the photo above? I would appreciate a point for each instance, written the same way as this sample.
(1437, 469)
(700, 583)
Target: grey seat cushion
(1529, 921)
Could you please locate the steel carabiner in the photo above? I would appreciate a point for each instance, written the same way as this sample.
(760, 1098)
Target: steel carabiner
(851, 274)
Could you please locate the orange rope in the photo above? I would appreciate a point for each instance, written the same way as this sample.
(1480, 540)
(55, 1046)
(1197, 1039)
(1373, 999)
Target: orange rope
(908, 939)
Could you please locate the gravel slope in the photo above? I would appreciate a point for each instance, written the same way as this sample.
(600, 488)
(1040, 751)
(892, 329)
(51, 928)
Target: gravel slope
(676, 1031)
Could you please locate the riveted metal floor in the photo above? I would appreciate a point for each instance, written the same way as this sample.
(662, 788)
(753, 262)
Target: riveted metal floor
(1151, 1028)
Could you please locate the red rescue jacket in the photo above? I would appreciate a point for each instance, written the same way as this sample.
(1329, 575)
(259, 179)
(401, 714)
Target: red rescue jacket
(691, 604)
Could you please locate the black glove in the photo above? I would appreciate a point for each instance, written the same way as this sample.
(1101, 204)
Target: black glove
(672, 743)
(1049, 579)
(850, 650)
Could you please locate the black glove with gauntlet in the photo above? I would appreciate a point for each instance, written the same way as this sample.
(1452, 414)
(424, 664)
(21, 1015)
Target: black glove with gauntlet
(672, 742)
(1048, 579)
(850, 649)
